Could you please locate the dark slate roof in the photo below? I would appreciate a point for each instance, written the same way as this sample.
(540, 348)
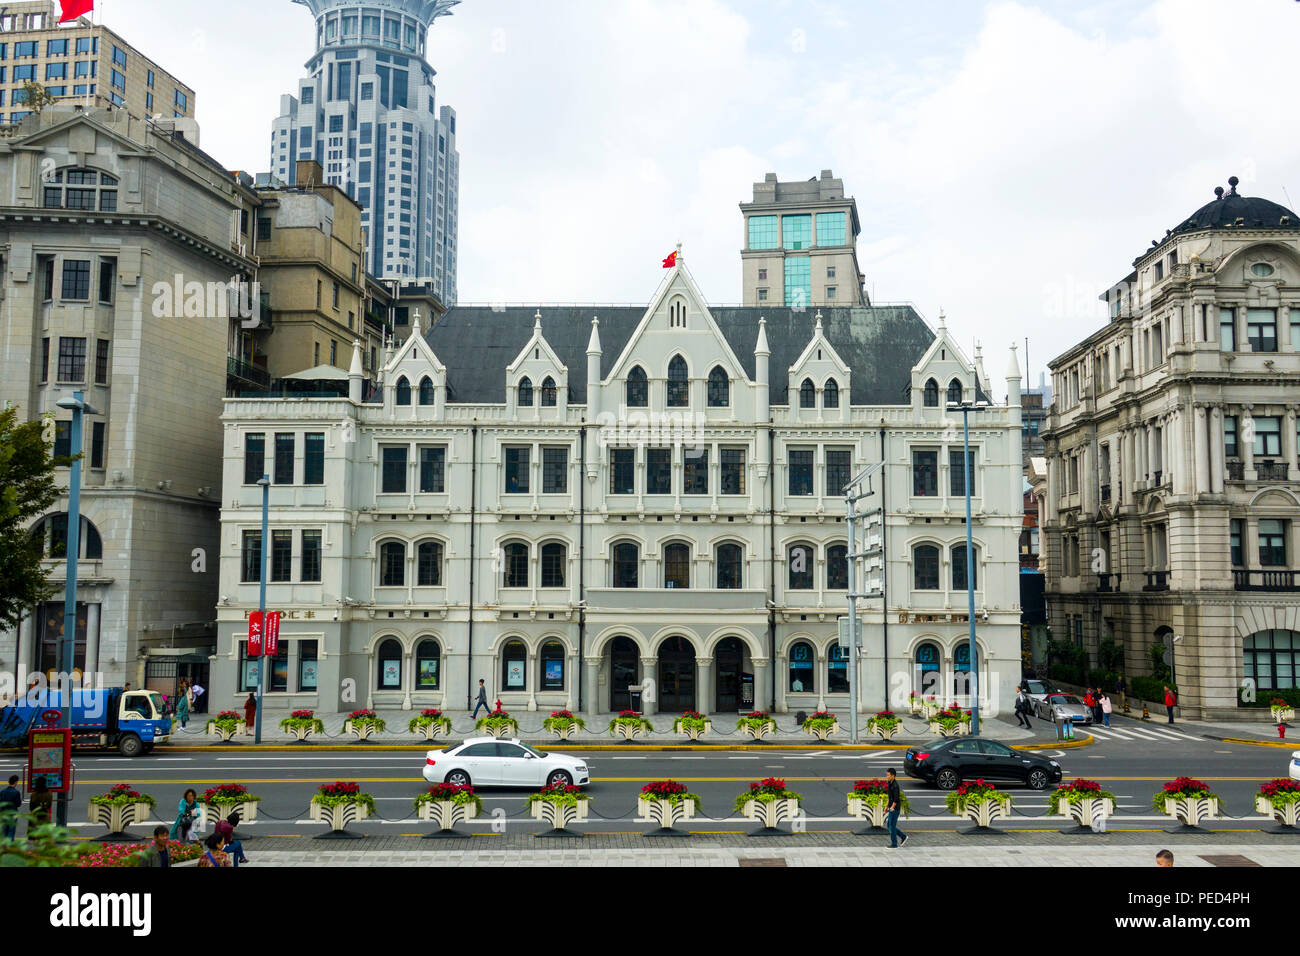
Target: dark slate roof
(1231, 206)
(879, 343)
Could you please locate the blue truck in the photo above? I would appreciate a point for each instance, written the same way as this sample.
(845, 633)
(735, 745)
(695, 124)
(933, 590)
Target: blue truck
(133, 721)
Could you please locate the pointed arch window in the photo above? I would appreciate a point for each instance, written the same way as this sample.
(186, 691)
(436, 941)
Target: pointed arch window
(925, 567)
(719, 388)
(426, 391)
(677, 566)
(392, 564)
(638, 391)
(931, 394)
(548, 392)
(516, 565)
(730, 566)
(403, 391)
(959, 568)
(525, 392)
(807, 394)
(831, 394)
(428, 564)
(554, 559)
(954, 392)
(627, 560)
(678, 383)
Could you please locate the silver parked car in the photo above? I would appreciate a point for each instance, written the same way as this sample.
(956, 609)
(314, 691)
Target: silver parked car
(1059, 706)
(1038, 689)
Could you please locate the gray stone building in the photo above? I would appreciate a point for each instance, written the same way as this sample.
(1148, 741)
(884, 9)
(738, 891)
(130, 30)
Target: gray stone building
(570, 503)
(1171, 502)
(119, 241)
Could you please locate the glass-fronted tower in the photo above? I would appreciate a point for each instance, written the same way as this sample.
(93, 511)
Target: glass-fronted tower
(366, 112)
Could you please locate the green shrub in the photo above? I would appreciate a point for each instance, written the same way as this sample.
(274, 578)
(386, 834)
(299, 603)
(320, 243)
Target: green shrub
(1149, 688)
(1264, 696)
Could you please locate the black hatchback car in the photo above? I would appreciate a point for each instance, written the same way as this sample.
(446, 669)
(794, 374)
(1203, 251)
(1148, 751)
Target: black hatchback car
(950, 760)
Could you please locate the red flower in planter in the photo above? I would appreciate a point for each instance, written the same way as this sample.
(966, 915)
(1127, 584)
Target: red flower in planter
(431, 712)
(303, 714)
(870, 786)
(758, 715)
(339, 789)
(363, 714)
(1184, 785)
(664, 788)
(562, 713)
(885, 713)
(446, 791)
(693, 715)
(1280, 785)
(629, 713)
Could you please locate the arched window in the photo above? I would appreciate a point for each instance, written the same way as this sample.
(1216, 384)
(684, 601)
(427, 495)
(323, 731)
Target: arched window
(80, 192)
(961, 669)
(925, 567)
(959, 568)
(627, 560)
(392, 564)
(802, 662)
(679, 386)
(730, 566)
(389, 660)
(554, 559)
(403, 391)
(719, 388)
(514, 659)
(927, 670)
(525, 392)
(831, 394)
(426, 391)
(837, 567)
(515, 565)
(677, 566)
(428, 665)
(954, 392)
(551, 662)
(837, 670)
(802, 557)
(428, 564)
(548, 392)
(677, 314)
(51, 537)
(931, 394)
(807, 394)
(638, 391)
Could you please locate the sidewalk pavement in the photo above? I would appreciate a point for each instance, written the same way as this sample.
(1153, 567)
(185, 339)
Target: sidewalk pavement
(724, 732)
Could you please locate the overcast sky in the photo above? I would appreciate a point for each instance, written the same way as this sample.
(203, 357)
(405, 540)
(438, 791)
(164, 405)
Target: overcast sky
(1009, 160)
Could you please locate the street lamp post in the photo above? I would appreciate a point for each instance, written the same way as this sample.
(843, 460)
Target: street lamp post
(68, 645)
(265, 482)
(966, 470)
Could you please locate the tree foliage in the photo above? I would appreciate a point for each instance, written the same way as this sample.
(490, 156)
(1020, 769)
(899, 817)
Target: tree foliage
(27, 489)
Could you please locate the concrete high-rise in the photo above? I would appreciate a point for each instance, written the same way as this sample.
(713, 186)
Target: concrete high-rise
(366, 113)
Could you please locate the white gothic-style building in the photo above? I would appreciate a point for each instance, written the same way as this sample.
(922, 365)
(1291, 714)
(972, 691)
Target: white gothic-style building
(568, 503)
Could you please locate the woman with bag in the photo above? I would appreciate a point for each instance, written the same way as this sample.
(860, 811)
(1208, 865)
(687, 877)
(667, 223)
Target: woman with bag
(183, 704)
(250, 715)
(187, 812)
(214, 855)
(1105, 709)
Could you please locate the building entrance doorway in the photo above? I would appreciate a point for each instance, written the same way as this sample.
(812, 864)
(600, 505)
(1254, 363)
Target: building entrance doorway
(676, 676)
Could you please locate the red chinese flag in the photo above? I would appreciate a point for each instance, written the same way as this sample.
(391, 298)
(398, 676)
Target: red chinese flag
(670, 261)
(75, 8)
(271, 642)
(255, 634)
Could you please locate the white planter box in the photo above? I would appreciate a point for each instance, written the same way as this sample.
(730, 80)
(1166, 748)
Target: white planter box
(299, 733)
(564, 733)
(1190, 811)
(822, 733)
(1285, 715)
(771, 812)
(916, 706)
(665, 813)
(1288, 816)
(983, 814)
(959, 729)
(225, 735)
(559, 815)
(629, 731)
(873, 813)
(695, 733)
(362, 729)
(447, 813)
(117, 817)
(340, 815)
(434, 728)
(1087, 811)
(501, 730)
(884, 733)
(210, 813)
(766, 729)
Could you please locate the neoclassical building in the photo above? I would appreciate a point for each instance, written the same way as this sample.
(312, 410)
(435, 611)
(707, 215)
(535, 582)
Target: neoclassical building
(1172, 490)
(569, 503)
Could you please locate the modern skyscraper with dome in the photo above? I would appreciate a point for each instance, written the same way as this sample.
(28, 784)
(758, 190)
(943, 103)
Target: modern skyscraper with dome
(367, 112)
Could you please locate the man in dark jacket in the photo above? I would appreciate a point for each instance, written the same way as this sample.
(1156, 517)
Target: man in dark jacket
(157, 854)
(892, 809)
(11, 800)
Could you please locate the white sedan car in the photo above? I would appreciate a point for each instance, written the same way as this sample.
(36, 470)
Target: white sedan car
(1295, 765)
(488, 762)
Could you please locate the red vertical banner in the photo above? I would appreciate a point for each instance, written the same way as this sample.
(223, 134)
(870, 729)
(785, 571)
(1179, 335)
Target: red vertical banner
(255, 634)
(272, 638)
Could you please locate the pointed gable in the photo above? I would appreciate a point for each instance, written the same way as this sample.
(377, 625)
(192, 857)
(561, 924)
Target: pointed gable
(944, 366)
(820, 366)
(537, 378)
(414, 376)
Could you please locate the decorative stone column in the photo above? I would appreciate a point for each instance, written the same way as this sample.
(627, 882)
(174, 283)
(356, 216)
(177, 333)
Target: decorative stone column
(408, 676)
(705, 692)
(531, 677)
(92, 642)
(1151, 460)
(650, 671)
(1216, 449)
(1130, 464)
(591, 686)
(762, 682)
(24, 652)
(1199, 450)
(1291, 454)
(1116, 446)
(1246, 426)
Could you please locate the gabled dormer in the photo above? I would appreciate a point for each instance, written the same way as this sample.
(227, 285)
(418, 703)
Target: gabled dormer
(415, 381)
(537, 382)
(943, 375)
(819, 382)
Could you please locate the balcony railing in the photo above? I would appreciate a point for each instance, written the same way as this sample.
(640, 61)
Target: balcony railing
(238, 368)
(1271, 470)
(1108, 583)
(1157, 581)
(1236, 471)
(1266, 580)
(1105, 492)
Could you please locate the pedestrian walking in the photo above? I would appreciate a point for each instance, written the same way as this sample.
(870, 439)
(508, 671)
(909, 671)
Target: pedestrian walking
(11, 801)
(183, 704)
(1023, 708)
(1121, 688)
(1105, 709)
(1170, 702)
(158, 853)
(187, 811)
(232, 847)
(893, 808)
(214, 855)
(1096, 705)
(39, 804)
(482, 700)
(250, 714)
